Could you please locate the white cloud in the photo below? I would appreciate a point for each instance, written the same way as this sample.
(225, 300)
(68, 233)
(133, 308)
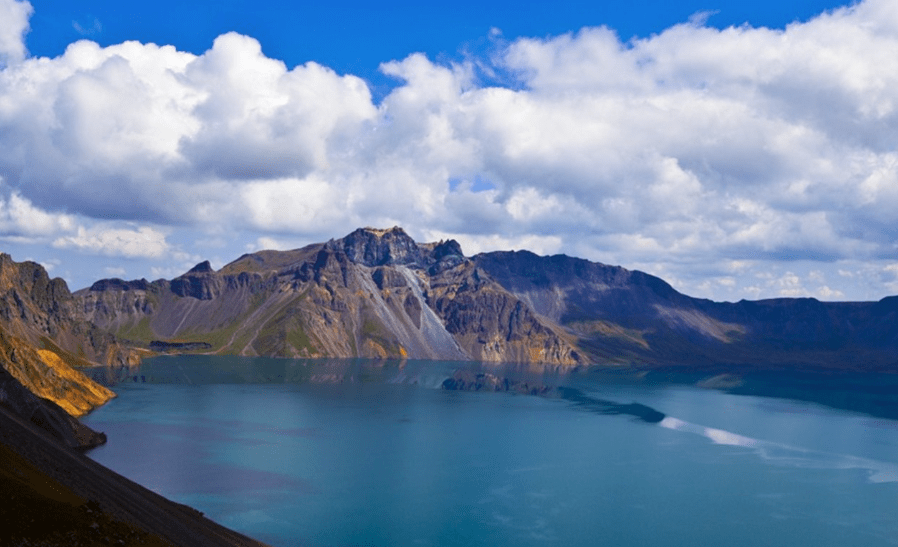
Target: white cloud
(14, 15)
(474, 244)
(20, 218)
(270, 243)
(707, 155)
(48, 265)
(259, 120)
(826, 293)
(142, 242)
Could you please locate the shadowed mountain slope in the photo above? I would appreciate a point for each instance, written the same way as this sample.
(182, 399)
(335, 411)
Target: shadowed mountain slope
(53, 495)
(629, 316)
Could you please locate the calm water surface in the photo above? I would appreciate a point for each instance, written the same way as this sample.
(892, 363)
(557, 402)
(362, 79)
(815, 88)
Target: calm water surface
(360, 453)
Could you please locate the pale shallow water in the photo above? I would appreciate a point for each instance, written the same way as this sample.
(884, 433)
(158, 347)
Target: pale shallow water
(325, 454)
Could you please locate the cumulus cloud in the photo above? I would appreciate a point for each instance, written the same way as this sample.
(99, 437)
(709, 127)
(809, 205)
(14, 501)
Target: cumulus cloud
(684, 153)
(14, 15)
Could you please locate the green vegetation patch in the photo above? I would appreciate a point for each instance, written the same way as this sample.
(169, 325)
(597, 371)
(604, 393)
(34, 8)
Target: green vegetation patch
(374, 330)
(599, 329)
(297, 337)
(283, 330)
(138, 332)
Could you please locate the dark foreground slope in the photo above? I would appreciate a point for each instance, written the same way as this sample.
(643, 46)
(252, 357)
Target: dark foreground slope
(52, 495)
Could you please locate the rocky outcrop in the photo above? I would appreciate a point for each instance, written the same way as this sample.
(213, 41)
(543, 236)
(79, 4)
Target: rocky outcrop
(199, 282)
(47, 374)
(490, 323)
(466, 380)
(372, 247)
(178, 347)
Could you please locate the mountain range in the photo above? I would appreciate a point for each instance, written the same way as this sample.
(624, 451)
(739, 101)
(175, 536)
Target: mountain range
(379, 294)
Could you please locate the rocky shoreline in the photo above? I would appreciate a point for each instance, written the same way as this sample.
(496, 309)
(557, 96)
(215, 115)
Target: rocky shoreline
(54, 495)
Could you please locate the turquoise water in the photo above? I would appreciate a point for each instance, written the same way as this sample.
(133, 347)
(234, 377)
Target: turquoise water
(358, 453)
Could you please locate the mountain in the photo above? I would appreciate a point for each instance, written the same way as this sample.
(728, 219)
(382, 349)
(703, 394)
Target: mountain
(378, 293)
(373, 293)
(44, 345)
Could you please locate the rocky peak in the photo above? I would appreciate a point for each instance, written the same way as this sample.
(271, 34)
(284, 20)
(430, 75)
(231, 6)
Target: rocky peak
(203, 267)
(199, 282)
(116, 284)
(375, 247)
(444, 256)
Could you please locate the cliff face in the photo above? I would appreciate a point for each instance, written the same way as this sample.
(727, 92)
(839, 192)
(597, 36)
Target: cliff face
(373, 293)
(44, 339)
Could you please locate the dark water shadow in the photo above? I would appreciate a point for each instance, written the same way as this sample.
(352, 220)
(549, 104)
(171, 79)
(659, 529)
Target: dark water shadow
(549, 382)
(601, 406)
(873, 393)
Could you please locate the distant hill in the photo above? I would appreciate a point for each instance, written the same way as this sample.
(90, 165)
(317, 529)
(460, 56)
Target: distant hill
(378, 293)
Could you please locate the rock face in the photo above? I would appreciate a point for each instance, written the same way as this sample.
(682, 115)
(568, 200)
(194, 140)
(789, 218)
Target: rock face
(374, 293)
(44, 339)
(378, 293)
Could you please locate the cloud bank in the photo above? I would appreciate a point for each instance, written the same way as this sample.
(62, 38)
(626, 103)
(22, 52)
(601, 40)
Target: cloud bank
(742, 162)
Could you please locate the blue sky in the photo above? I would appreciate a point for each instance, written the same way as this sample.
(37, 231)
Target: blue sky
(736, 149)
(354, 37)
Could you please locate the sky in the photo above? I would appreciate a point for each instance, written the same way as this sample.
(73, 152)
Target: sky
(738, 150)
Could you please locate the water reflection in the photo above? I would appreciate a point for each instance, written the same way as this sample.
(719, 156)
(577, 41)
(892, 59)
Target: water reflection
(875, 394)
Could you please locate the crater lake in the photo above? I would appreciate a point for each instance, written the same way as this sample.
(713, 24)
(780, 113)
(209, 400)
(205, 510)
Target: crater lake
(358, 452)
